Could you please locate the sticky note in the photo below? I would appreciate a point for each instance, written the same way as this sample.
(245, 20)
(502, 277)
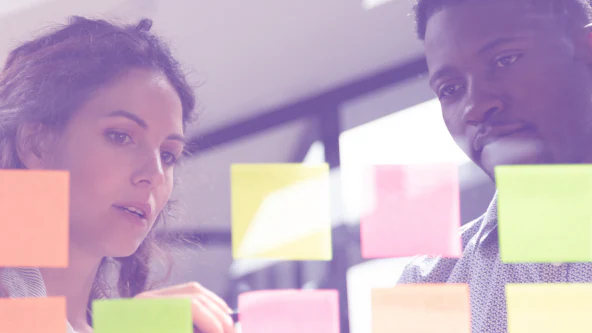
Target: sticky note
(34, 210)
(281, 211)
(421, 308)
(33, 315)
(544, 213)
(289, 311)
(416, 212)
(548, 308)
(142, 315)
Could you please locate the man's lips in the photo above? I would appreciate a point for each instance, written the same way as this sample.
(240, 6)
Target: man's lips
(483, 138)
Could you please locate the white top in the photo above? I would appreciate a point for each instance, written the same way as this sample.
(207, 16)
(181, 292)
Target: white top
(69, 328)
(25, 282)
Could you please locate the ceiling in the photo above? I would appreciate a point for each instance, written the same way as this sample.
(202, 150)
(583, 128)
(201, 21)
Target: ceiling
(248, 57)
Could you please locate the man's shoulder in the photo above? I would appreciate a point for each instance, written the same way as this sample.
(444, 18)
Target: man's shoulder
(425, 269)
(470, 229)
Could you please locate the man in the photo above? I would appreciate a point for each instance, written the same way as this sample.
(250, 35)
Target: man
(514, 78)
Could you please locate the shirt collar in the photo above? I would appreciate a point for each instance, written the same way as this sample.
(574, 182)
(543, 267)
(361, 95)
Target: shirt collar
(488, 229)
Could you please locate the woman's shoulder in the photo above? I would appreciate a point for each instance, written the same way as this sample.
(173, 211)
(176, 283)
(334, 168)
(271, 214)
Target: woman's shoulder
(21, 282)
(17, 282)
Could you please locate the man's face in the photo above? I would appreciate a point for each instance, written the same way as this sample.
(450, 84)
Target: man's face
(513, 85)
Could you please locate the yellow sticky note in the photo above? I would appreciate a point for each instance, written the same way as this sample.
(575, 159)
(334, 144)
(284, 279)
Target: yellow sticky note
(422, 308)
(549, 308)
(34, 211)
(281, 211)
(544, 213)
(33, 315)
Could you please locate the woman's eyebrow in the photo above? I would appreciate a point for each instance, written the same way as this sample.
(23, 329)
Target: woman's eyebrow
(177, 137)
(122, 113)
(142, 123)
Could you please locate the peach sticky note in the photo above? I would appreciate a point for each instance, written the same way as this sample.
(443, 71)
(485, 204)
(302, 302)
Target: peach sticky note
(281, 211)
(142, 315)
(416, 211)
(34, 209)
(289, 311)
(549, 308)
(33, 315)
(421, 308)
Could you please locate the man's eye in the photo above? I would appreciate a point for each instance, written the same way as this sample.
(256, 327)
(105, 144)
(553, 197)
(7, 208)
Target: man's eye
(449, 90)
(119, 137)
(506, 61)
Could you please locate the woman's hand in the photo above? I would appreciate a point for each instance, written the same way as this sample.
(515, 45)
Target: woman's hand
(210, 313)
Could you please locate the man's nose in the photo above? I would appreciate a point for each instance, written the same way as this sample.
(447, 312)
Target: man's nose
(482, 103)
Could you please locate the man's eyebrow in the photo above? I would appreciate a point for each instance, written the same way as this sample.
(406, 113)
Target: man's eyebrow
(142, 123)
(446, 70)
(499, 41)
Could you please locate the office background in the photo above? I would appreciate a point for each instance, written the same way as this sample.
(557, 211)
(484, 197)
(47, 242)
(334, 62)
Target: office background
(306, 81)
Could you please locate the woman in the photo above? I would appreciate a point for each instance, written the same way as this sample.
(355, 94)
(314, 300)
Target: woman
(109, 104)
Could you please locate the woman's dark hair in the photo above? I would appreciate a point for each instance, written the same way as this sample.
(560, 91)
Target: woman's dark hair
(47, 79)
(576, 12)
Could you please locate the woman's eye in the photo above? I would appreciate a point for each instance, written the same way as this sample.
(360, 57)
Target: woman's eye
(119, 137)
(168, 158)
(449, 90)
(506, 61)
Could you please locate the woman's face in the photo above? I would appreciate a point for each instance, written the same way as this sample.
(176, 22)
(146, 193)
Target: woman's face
(120, 148)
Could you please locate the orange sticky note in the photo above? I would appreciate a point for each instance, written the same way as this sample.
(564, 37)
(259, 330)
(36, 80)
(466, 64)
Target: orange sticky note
(33, 315)
(416, 212)
(34, 210)
(421, 308)
(549, 308)
(289, 311)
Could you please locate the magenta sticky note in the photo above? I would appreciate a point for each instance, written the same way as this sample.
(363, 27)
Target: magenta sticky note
(289, 311)
(416, 211)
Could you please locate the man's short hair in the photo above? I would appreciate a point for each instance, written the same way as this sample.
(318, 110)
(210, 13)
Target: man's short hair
(578, 12)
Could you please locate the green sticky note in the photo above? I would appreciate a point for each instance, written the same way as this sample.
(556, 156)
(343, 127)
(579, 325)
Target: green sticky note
(549, 308)
(544, 213)
(281, 211)
(143, 315)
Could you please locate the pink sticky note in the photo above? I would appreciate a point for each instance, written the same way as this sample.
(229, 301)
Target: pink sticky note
(416, 212)
(289, 311)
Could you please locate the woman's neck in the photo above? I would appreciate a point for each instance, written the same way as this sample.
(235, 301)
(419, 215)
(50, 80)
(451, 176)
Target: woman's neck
(74, 283)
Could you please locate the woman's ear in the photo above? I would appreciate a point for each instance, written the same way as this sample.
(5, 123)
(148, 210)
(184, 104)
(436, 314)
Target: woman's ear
(33, 146)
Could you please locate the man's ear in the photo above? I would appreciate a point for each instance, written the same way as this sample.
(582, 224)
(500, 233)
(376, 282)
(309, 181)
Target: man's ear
(33, 145)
